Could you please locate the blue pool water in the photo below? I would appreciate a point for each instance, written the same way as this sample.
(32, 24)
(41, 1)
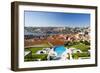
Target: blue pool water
(59, 50)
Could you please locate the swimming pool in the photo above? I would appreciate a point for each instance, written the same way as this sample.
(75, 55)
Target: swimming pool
(59, 50)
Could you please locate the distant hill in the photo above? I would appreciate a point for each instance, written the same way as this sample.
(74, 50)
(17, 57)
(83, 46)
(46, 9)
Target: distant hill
(54, 30)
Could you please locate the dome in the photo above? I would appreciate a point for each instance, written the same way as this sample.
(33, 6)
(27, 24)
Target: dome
(59, 50)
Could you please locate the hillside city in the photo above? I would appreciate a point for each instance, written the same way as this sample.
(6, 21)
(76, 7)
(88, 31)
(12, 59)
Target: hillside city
(59, 34)
(44, 43)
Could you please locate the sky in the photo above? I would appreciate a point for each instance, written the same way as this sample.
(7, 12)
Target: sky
(55, 19)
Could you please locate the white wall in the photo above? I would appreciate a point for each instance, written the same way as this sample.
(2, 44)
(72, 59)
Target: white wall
(5, 40)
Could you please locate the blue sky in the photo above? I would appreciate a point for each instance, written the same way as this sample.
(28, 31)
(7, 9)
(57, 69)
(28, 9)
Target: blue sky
(55, 19)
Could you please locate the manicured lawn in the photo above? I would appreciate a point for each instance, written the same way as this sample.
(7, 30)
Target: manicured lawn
(34, 49)
(81, 46)
(82, 55)
(35, 57)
